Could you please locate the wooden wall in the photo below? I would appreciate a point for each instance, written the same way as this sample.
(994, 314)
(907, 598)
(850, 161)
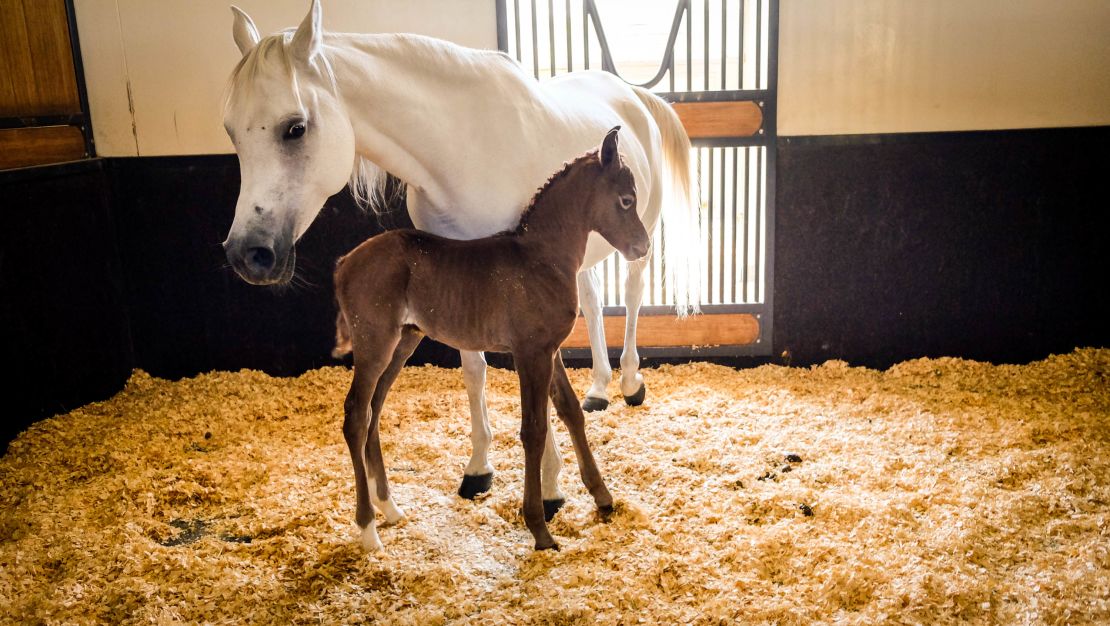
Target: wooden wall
(37, 80)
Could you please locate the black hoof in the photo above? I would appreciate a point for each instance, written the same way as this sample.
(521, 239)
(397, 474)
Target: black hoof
(553, 546)
(605, 512)
(551, 507)
(473, 485)
(594, 404)
(637, 398)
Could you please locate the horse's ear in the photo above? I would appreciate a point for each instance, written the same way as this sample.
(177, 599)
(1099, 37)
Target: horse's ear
(244, 31)
(607, 154)
(310, 34)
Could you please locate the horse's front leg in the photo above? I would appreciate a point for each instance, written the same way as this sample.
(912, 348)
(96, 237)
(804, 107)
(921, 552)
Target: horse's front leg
(534, 371)
(566, 405)
(375, 465)
(632, 381)
(478, 475)
(589, 299)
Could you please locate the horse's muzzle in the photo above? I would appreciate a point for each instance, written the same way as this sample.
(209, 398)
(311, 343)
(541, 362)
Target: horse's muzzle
(261, 263)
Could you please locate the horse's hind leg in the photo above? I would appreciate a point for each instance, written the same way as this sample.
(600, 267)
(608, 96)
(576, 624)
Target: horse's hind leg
(370, 362)
(379, 481)
(632, 381)
(566, 405)
(589, 298)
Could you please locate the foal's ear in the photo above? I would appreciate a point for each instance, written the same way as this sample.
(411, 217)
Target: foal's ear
(607, 154)
(310, 34)
(244, 31)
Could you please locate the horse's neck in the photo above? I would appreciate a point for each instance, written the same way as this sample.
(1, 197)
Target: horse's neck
(427, 110)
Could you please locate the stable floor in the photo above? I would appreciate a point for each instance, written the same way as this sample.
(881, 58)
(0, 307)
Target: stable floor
(937, 491)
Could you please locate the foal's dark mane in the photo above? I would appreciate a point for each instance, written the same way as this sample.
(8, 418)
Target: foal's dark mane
(556, 177)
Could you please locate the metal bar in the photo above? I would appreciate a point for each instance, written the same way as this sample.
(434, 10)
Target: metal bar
(551, 34)
(721, 253)
(709, 231)
(747, 194)
(79, 72)
(705, 46)
(535, 44)
(729, 142)
(758, 41)
(735, 243)
(585, 37)
(740, 36)
(724, 42)
(756, 276)
(502, 27)
(570, 43)
(689, 47)
(516, 27)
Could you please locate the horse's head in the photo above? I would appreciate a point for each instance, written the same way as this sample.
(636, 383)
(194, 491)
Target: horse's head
(294, 140)
(613, 214)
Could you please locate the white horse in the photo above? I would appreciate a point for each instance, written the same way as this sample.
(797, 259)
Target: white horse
(311, 111)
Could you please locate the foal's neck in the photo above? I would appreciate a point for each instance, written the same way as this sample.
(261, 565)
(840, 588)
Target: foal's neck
(555, 227)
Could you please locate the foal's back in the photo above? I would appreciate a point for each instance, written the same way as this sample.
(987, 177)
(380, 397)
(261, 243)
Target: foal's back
(481, 294)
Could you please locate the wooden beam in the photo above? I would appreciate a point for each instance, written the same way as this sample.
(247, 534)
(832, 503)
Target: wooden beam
(24, 147)
(719, 329)
(705, 120)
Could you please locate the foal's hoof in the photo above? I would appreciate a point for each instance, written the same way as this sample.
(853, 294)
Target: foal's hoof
(590, 405)
(551, 546)
(473, 485)
(637, 398)
(551, 507)
(605, 512)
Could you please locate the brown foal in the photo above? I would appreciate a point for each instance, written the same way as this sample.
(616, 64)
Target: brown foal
(512, 292)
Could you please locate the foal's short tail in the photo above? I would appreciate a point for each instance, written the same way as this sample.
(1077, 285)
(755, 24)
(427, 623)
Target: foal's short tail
(342, 336)
(680, 225)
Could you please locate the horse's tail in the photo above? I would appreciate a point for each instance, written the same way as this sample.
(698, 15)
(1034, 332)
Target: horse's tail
(680, 217)
(342, 328)
(342, 336)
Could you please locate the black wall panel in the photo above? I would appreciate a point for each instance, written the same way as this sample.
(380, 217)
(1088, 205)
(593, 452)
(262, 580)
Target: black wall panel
(64, 336)
(988, 245)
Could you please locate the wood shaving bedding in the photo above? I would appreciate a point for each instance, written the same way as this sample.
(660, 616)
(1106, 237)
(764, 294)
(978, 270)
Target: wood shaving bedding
(938, 491)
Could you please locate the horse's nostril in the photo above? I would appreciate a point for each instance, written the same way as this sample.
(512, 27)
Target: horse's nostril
(260, 258)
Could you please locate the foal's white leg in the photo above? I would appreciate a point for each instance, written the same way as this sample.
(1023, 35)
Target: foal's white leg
(632, 382)
(393, 513)
(589, 299)
(478, 475)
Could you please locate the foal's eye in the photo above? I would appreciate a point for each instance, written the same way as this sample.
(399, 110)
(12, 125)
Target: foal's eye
(295, 131)
(627, 201)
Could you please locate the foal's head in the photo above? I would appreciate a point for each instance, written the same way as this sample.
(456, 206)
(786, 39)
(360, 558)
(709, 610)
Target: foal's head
(612, 210)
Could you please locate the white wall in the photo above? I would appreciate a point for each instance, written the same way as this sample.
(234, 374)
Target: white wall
(156, 69)
(884, 66)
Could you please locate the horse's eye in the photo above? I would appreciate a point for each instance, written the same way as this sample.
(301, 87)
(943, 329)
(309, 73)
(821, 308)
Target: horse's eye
(627, 201)
(295, 131)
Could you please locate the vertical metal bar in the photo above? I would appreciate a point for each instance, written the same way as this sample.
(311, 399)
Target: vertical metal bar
(747, 195)
(705, 45)
(651, 269)
(758, 218)
(735, 243)
(617, 283)
(502, 27)
(721, 253)
(79, 73)
(570, 43)
(740, 36)
(516, 26)
(689, 47)
(758, 40)
(585, 38)
(709, 232)
(724, 51)
(535, 44)
(551, 35)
